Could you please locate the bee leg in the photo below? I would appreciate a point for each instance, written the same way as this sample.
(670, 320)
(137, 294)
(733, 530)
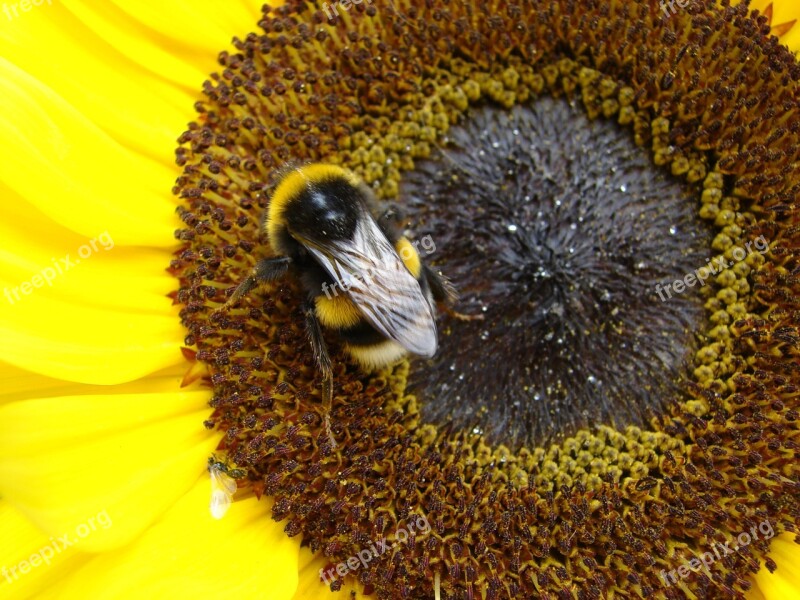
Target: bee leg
(441, 288)
(327, 393)
(461, 316)
(391, 215)
(444, 292)
(266, 270)
(390, 222)
(323, 360)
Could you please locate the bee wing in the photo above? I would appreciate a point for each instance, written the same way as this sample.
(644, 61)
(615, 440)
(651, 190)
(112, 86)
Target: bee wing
(223, 487)
(220, 503)
(375, 278)
(223, 482)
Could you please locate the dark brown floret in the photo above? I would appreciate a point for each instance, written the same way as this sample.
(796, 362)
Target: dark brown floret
(608, 509)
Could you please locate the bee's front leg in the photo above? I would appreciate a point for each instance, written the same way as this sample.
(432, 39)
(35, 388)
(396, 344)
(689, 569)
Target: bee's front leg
(444, 293)
(323, 360)
(266, 270)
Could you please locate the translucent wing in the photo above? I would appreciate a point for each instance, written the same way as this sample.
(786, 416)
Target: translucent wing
(220, 503)
(375, 278)
(223, 487)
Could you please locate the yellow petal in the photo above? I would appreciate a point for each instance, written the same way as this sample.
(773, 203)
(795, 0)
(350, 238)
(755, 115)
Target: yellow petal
(136, 107)
(57, 263)
(30, 560)
(66, 459)
(62, 163)
(18, 384)
(187, 554)
(183, 34)
(311, 585)
(784, 583)
(150, 58)
(785, 19)
(755, 593)
(204, 26)
(84, 309)
(786, 23)
(87, 344)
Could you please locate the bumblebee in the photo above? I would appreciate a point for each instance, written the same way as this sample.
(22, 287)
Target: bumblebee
(363, 279)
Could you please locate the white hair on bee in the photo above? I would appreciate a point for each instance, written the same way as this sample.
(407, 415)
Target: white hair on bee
(223, 487)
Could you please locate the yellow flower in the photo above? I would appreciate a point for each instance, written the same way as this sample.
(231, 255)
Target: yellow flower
(103, 484)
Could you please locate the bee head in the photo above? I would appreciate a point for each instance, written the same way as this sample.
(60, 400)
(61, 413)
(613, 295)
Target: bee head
(325, 210)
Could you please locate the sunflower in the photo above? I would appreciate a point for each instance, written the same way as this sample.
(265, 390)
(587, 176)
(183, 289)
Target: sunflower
(588, 437)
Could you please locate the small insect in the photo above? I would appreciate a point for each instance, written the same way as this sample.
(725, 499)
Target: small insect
(363, 278)
(223, 487)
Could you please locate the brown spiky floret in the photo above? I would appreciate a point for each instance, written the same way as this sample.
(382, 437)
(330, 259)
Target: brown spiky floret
(606, 510)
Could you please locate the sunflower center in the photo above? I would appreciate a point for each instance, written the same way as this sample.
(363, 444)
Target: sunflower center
(561, 229)
(558, 230)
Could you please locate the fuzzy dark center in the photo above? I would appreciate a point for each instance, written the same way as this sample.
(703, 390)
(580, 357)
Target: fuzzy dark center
(557, 229)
